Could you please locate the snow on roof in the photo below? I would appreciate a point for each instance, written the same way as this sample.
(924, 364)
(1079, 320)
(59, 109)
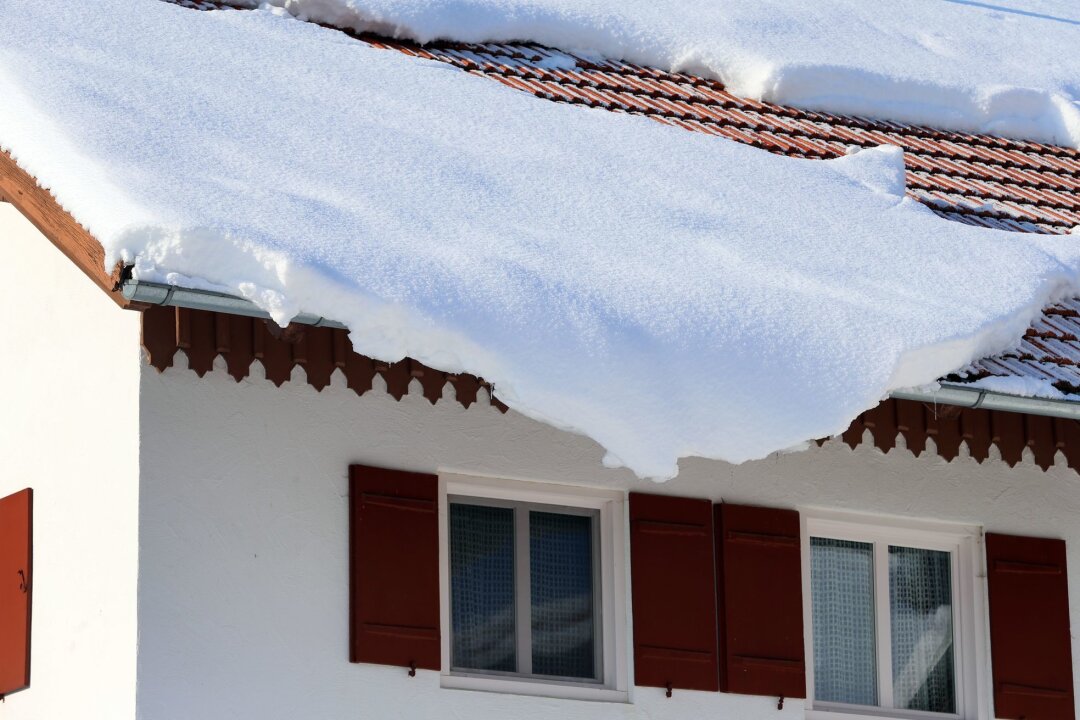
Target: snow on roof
(1007, 67)
(666, 293)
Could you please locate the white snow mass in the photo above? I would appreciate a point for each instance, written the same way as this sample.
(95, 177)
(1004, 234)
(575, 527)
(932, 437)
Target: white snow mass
(1006, 67)
(666, 293)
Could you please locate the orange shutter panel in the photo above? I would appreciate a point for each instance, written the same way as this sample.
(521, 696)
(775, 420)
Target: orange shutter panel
(759, 596)
(394, 567)
(673, 592)
(1030, 641)
(16, 580)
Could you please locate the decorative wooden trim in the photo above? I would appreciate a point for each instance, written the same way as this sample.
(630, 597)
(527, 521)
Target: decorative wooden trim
(39, 207)
(950, 426)
(241, 340)
(203, 336)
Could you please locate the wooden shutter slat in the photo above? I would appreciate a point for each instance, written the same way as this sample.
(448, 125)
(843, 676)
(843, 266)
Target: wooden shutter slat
(394, 567)
(759, 600)
(16, 588)
(673, 592)
(1030, 641)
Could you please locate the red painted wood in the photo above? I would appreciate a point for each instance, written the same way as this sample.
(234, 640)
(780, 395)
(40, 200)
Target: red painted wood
(394, 567)
(359, 372)
(241, 351)
(159, 336)
(319, 356)
(673, 592)
(16, 586)
(759, 597)
(1030, 640)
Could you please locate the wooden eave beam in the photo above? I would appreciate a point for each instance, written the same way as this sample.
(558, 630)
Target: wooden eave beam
(38, 206)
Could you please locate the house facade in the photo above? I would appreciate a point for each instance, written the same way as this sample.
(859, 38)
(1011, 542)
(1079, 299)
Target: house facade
(229, 519)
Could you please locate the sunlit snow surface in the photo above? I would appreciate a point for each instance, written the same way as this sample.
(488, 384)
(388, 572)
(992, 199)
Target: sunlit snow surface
(1010, 67)
(666, 293)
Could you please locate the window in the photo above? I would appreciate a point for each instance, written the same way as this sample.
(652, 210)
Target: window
(890, 618)
(529, 589)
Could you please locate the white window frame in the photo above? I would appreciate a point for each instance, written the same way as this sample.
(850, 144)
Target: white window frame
(610, 506)
(964, 543)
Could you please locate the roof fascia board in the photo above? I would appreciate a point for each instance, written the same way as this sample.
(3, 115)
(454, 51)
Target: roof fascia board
(39, 207)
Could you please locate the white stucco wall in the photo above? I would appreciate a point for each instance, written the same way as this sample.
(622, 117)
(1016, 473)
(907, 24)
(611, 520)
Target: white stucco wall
(69, 429)
(243, 592)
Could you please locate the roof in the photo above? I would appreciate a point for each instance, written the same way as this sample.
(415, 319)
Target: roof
(979, 180)
(976, 180)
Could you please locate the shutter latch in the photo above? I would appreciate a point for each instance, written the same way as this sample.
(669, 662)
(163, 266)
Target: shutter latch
(412, 668)
(780, 704)
(668, 693)
(23, 585)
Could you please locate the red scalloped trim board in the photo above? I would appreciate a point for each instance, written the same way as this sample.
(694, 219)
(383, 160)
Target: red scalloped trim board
(241, 341)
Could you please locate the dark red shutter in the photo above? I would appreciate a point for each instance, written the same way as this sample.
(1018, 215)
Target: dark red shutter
(674, 604)
(1030, 639)
(394, 567)
(16, 577)
(759, 597)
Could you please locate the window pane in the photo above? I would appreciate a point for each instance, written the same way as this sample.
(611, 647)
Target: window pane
(920, 603)
(842, 588)
(482, 587)
(561, 562)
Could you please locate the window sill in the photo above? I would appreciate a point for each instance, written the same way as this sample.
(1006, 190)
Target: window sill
(885, 714)
(566, 691)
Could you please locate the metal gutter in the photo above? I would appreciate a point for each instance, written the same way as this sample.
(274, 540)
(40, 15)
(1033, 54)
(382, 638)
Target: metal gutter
(964, 396)
(148, 293)
(971, 397)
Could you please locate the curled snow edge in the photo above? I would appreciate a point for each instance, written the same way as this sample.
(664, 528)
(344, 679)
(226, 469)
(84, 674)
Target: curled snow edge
(916, 61)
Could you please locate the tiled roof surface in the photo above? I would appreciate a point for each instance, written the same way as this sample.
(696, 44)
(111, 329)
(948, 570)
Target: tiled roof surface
(975, 179)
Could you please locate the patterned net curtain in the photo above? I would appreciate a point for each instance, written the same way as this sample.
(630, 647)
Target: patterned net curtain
(842, 590)
(920, 602)
(561, 560)
(482, 588)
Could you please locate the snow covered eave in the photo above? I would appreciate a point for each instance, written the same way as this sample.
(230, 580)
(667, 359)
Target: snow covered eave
(774, 326)
(39, 207)
(946, 393)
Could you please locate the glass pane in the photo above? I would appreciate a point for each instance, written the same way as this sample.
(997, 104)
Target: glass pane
(842, 589)
(563, 619)
(482, 587)
(920, 603)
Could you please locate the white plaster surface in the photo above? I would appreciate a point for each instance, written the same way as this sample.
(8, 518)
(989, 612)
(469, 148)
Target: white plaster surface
(243, 520)
(69, 429)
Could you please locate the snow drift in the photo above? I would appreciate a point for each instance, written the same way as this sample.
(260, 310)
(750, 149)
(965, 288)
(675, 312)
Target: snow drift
(666, 293)
(1007, 67)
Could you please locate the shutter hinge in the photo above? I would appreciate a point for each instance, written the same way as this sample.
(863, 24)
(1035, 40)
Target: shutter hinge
(24, 586)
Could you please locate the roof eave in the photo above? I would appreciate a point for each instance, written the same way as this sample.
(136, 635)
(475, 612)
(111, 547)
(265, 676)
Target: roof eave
(968, 397)
(149, 293)
(38, 206)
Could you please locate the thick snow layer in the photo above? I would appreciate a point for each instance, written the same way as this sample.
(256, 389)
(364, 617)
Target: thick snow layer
(1009, 67)
(666, 293)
